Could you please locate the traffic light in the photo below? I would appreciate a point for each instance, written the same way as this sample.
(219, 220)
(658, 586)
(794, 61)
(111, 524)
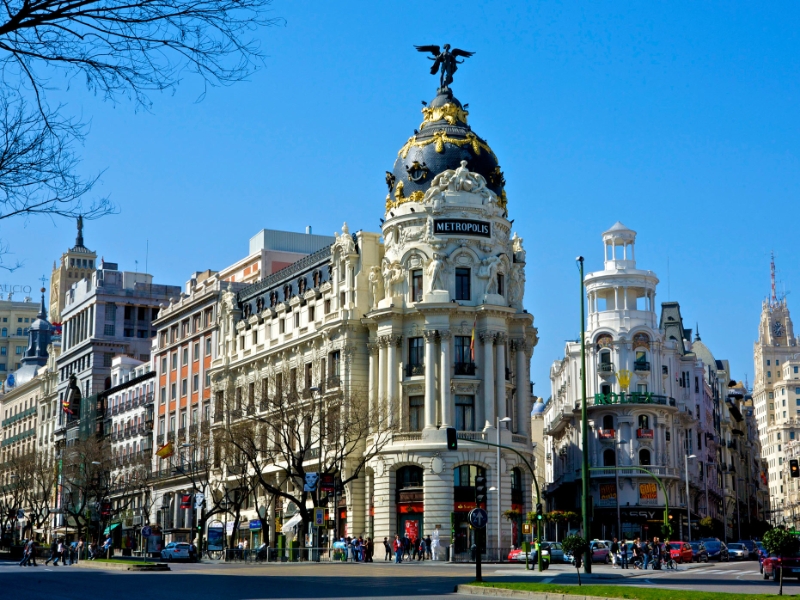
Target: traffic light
(452, 440)
(539, 515)
(480, 490)
(794, 468)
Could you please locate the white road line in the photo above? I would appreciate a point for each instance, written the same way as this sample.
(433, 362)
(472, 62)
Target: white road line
(548, 579)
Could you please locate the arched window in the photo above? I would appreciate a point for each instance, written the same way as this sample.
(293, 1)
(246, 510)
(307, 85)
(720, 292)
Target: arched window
(409, 477)
(644, 457)
(608, 422)
(609, 459)
(604, 362)
(644, 422)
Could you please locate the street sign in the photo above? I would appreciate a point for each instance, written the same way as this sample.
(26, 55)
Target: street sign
(146, 531)
(319, 517)
(527, 528)
(20, 514)
(478, 518)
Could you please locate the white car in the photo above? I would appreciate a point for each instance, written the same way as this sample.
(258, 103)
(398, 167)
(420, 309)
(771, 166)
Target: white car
(175, 551)
(738, 551)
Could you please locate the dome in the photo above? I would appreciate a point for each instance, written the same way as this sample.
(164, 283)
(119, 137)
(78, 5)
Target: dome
(538, 407)
(444, 139)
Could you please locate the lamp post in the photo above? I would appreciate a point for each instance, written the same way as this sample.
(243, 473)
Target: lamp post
(587, 562)
(688, 504)
(317, 542)
(499, 477)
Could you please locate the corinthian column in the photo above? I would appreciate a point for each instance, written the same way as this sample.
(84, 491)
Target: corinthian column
(444, 380)
(523, 387)
(487, 339)
(372, 387)
(393, 403)
(382, 378)
(500, 394)
(430, 378)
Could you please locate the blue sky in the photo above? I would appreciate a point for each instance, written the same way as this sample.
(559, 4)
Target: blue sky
(679, 119)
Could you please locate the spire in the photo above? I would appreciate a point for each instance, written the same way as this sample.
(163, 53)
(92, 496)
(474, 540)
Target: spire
(79, 238)
(42, 310)
(696, 332)
(774, 299)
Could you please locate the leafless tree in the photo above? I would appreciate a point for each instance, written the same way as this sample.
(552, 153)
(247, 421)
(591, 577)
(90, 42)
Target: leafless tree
(117, 49)
(283, 433)
(40, 493)
(18, 480)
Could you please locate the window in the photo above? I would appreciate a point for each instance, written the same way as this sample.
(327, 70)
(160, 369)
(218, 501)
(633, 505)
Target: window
(609, 460)
(255, 337)
(107, 330)
(500, 283)
(464, 476)
(174, 360)
(769, 373)
(310, 314)
(416, 285)
(161, 424)
(409, 477)
(608, 423)
(163, 364)
(172, 391)
(463, 284)
(416, 406)
(3, 351)
(163, 395)
(5, 331)
(334, 364)
(767, 362)
(195, 382)
(644, 422)
(196, 351)
(297, 320)
(111, 312)
(208, 346)
(18, 350)
(465, 413)
(416, 356)
(184, 386)
(185, 357)
(208, 379)
(644, 457)
(281, 325)
(463, 355)
(327, 306)
(172, 424)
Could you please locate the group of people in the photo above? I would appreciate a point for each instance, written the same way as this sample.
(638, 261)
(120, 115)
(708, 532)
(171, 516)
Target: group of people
(405, 547)
(63, 552)
(358, 549)
(643, 553)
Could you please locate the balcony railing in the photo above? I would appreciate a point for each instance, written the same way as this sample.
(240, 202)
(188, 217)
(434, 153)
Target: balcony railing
(632, 398)
(641, 365)
(334, 381)
(605, 367)
(160, 439)
(644, 434)
(607, 434)
(181, 433)
(413, 370)
(465, 368)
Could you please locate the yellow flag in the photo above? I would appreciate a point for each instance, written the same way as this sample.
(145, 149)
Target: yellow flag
(166, 450)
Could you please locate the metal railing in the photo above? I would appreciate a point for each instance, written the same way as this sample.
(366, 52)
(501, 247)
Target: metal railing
(465, 368)
(489, 555)
(413, 370)
(605, 367)
(641, 365)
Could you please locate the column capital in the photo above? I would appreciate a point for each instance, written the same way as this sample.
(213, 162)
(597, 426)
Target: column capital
(488, 337)
(373, 347)
(519, 344)
(390, 340)
(429, 335)
(500, 337)
(445, 334)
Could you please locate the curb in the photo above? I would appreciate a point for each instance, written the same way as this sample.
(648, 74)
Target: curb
(474, 590)
(146, 567)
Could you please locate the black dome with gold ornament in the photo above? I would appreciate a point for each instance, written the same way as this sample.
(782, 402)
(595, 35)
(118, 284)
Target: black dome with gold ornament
(444, 139)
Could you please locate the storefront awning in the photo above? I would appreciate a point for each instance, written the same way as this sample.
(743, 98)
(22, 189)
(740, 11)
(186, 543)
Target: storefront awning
(110, 528)
(292, 523)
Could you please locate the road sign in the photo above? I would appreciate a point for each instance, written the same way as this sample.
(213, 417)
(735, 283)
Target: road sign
(319, 517)
(20, 514)
(146, 531)
(478, 518)
(527, 528)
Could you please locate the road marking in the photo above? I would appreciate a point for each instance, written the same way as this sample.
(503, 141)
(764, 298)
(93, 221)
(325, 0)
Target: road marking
(548, 579)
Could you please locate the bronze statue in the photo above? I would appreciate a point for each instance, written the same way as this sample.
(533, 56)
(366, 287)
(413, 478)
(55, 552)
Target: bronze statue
(447, 60)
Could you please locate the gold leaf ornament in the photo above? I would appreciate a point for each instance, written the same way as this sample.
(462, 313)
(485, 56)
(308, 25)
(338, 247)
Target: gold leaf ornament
(449, 112)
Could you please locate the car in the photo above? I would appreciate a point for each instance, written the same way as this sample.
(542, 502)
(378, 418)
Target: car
(751, 548)
(738, 551)
(556, 552)
(680, 552)
(776, 565)
(716, 550)
(175, 551)
(600, 553)
(699, 552)
(518, 555)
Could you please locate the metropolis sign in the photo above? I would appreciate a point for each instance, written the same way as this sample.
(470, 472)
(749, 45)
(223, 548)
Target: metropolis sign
(461, 227)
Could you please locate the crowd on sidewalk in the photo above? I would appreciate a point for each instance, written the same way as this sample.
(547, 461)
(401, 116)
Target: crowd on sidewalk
(643, 553)
(66, 554)
(404, 547)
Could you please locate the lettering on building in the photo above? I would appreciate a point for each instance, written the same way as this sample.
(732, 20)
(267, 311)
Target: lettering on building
(462, 227)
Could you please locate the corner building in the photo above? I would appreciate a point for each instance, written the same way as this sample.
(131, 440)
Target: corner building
(428, 323)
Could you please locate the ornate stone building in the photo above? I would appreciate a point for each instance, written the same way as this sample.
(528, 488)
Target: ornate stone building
(427, 328)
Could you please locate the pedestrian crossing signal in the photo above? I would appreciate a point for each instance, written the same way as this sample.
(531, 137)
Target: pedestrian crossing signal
(452, 440)
(794, 468)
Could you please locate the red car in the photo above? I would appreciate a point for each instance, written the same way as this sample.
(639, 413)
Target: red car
(680, 552)
(773, 565)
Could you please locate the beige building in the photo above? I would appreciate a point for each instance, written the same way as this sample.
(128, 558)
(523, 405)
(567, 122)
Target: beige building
(75, 264)
(776, 399)
(15, 320)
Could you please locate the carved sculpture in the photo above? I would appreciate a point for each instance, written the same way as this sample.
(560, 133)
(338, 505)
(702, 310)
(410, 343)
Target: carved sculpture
(488, 271)
(516, 246)
(374, 285)
(516, 286)
(345, 240)
(436, 272)
(445, 59)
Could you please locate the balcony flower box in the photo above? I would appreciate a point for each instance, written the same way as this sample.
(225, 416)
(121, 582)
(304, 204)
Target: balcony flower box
(607, 434)
(644, 434)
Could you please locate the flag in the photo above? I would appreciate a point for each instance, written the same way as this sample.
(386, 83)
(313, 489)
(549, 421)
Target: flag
(166, 451)
(65, 406)
(472, 341)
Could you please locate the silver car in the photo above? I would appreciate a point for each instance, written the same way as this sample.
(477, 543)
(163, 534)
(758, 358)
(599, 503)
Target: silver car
(738, 551)
(556, 552)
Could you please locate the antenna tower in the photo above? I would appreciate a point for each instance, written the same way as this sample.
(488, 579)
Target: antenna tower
(774, 299)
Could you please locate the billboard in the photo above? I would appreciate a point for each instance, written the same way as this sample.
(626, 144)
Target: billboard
(648, 493)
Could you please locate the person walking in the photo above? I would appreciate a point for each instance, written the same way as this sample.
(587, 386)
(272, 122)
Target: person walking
(80, 549)
(53, 553)
(615, 553)
(370, 549)
(397, 546)
(428, 549)
(656, 554)
(388, 548)
(25, 554)
(637, 554)
(624, 553)
(61, 549)
(646, 554)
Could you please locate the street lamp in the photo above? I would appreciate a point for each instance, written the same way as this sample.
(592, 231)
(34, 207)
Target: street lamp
(499, 477)
(688, 504)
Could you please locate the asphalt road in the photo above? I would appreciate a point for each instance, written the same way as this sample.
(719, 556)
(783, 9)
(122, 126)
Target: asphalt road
(346, 581)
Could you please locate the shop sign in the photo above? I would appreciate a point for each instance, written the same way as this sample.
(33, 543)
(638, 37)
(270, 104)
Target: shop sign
(326, 482)
(527, 528)
(464, 506)
(648, 493)
(411, 507)
(461, 227)
(644, 434)
(255, 524)
(412, 529)
(608, 494)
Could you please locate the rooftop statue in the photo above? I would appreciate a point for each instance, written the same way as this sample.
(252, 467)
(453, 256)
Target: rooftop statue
(447, 60)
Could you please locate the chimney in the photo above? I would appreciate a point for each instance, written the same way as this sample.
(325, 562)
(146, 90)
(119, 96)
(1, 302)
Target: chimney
(308, 229)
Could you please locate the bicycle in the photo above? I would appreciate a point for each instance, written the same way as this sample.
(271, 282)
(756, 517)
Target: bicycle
(671, 564)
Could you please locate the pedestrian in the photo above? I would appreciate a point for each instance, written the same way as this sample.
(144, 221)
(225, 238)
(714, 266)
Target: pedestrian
(406, 546)
(397, 546)
(25, 554)
(637, 554)
(192, 552)
(646, 554)
(414, 548)
(370, 549)
(60, 551)
(246, 548)
(80, 548)
(656, 554)
(428, 544)
(53, 553)
(624, 553)
(615, 553)
(388, 548)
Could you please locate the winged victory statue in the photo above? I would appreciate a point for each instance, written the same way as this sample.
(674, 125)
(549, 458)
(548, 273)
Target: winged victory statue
(444, 60)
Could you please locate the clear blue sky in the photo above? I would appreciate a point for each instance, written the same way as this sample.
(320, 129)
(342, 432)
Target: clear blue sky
(679, 119)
